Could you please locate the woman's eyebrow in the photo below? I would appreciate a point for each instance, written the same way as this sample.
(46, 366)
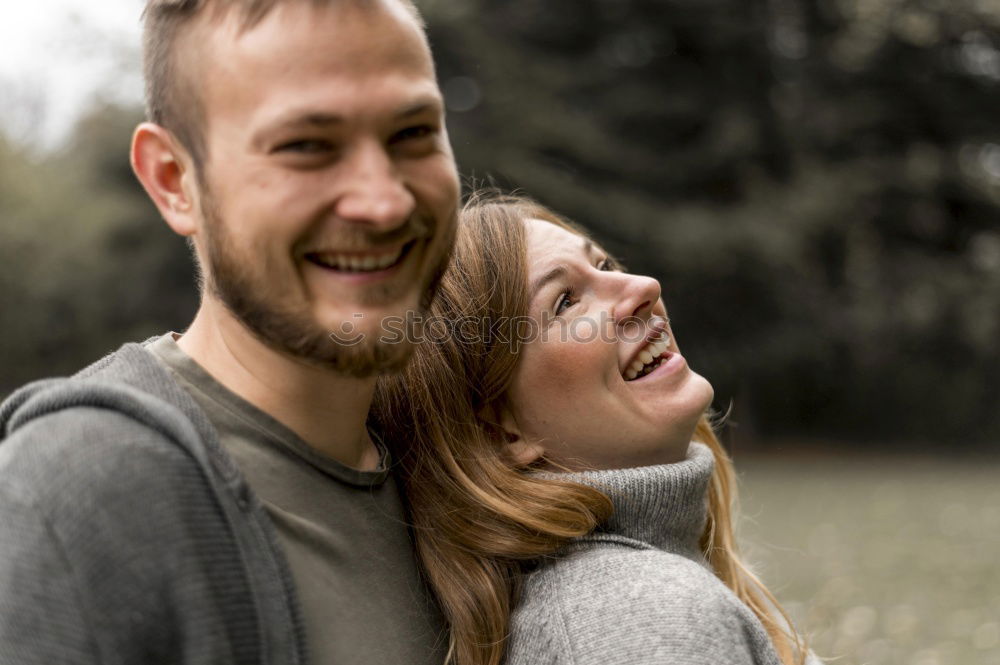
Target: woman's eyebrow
(558, 271)
(552, 274)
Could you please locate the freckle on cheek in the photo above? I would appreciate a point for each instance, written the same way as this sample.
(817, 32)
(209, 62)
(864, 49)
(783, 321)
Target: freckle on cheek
(559, 371)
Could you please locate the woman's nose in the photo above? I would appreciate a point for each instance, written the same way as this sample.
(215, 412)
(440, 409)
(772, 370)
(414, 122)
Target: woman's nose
(637, 296)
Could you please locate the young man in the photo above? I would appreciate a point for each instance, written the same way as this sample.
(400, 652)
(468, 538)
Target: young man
(215, 497)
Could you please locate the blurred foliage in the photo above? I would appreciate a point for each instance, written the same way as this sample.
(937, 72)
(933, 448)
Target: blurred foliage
(84, 263)
(815, 182)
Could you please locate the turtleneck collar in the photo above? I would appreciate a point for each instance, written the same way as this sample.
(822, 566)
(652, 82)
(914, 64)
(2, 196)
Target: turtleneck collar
(663, 506)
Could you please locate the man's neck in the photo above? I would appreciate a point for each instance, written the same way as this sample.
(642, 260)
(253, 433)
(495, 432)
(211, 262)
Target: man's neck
(328, 410)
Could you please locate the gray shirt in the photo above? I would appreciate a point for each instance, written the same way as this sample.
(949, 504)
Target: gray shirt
(639, 591)
(344, 532)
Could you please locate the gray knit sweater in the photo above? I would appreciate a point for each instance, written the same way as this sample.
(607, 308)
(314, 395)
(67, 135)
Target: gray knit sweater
(639, 591)
(128, 536)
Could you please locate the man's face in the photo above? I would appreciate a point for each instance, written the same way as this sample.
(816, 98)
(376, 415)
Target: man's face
(329, 194)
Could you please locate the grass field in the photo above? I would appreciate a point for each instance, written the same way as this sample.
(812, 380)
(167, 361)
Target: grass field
(882, 561)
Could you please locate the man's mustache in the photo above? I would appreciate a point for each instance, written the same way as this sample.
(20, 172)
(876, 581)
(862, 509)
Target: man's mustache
(354, 237)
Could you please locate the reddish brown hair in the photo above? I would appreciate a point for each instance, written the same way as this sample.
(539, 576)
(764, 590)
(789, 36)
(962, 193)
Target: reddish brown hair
(478, 517)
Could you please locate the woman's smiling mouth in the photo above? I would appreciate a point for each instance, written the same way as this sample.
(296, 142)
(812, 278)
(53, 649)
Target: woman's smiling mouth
(649, 357)
(667, 362)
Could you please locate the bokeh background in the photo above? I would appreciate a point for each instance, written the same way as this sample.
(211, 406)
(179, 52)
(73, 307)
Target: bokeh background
(815, 182)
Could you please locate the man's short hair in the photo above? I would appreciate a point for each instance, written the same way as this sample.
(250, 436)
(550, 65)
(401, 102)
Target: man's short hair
(172, 98)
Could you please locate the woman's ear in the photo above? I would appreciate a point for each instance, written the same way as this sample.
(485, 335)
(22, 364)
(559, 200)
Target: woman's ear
(521, 451)
(524, 453)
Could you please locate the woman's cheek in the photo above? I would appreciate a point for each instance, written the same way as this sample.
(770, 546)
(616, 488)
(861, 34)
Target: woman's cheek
(581, 330)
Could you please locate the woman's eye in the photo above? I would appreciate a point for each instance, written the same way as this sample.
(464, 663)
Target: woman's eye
(564, 302)
(606, 264)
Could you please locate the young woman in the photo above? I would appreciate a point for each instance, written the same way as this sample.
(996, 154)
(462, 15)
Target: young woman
(571, 502)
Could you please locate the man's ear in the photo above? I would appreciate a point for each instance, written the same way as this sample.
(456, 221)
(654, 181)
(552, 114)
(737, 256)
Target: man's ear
(521, 451)
(166, 171)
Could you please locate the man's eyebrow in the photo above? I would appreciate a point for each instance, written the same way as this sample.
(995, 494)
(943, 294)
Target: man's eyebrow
(556, 272)
(300, 119)
(321, 119)
(420, 106)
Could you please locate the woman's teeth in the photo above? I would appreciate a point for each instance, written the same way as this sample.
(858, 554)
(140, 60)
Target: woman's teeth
(648, 359)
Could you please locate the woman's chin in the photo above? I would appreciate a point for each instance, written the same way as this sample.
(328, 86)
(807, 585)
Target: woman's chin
(703, 388)
(690, 404)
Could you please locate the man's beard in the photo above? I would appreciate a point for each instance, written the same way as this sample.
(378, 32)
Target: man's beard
(284, 322)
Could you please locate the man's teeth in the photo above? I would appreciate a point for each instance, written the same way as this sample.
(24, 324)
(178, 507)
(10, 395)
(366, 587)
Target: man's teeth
(356, 263)
(648, 359)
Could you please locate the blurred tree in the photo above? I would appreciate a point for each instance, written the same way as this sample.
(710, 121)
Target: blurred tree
(86, 263)
(816, 183)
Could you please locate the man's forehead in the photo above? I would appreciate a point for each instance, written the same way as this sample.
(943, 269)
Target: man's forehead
(290, 23)
(249, 13)
(298, 45)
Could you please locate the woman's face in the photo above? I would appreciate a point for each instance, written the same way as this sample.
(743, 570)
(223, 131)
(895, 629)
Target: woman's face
(576, 394)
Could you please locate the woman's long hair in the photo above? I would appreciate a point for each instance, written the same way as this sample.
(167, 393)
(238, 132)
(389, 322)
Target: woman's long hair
(478, 518)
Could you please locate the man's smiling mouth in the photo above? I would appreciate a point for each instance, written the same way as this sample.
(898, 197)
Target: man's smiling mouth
(360, 262)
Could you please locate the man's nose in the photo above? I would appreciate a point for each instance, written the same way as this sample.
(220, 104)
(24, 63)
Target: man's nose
(637, 296)
(373, 191)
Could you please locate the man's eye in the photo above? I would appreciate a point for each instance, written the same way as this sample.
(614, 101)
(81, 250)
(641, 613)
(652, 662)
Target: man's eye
(415, 132)
(306, 146)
